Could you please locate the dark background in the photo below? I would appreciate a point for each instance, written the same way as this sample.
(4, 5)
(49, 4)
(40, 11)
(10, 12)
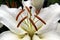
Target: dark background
(17, 3)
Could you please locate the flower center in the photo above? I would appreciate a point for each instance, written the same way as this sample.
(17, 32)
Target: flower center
(31, 24)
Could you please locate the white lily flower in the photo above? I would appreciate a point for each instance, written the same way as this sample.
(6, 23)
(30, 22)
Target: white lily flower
(24, 24)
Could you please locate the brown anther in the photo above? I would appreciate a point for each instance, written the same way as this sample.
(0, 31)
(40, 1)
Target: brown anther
(33, 23)
(21, 21)
(19, 14)
(28, 9)
(40, 19)
(37, 11)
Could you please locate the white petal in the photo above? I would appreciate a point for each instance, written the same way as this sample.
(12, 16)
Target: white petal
(6, 8)
(8, 36)
(14, 12)
(47, 28)
(47, 13)
(11, 36)
(11, 11)
(58, 28)
(10, 22)
(51, 24)
(51, 36)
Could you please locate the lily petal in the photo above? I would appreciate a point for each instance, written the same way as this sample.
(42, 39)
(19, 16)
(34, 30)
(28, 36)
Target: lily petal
(10, 22)
(52, 22)
(11, 36)
(8, 36)
(47, 13)
(12, 11)
(58, 28)
(52, 35)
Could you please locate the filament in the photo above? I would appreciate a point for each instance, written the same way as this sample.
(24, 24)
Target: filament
(33, 23)
(21, 21)
(28, 10)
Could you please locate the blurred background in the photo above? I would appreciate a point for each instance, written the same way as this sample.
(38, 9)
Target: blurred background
(18, 3)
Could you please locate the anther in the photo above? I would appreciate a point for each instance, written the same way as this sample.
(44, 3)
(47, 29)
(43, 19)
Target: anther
(29, 10)
(19, 14)
(37, 12)
(40, 19)
(21, 21)
(33, 23)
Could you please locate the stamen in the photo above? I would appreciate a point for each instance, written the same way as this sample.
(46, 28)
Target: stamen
(37, 12)
(40, 19)
(21, 21)
(33, 23)
(28, 10)
(19, 14)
